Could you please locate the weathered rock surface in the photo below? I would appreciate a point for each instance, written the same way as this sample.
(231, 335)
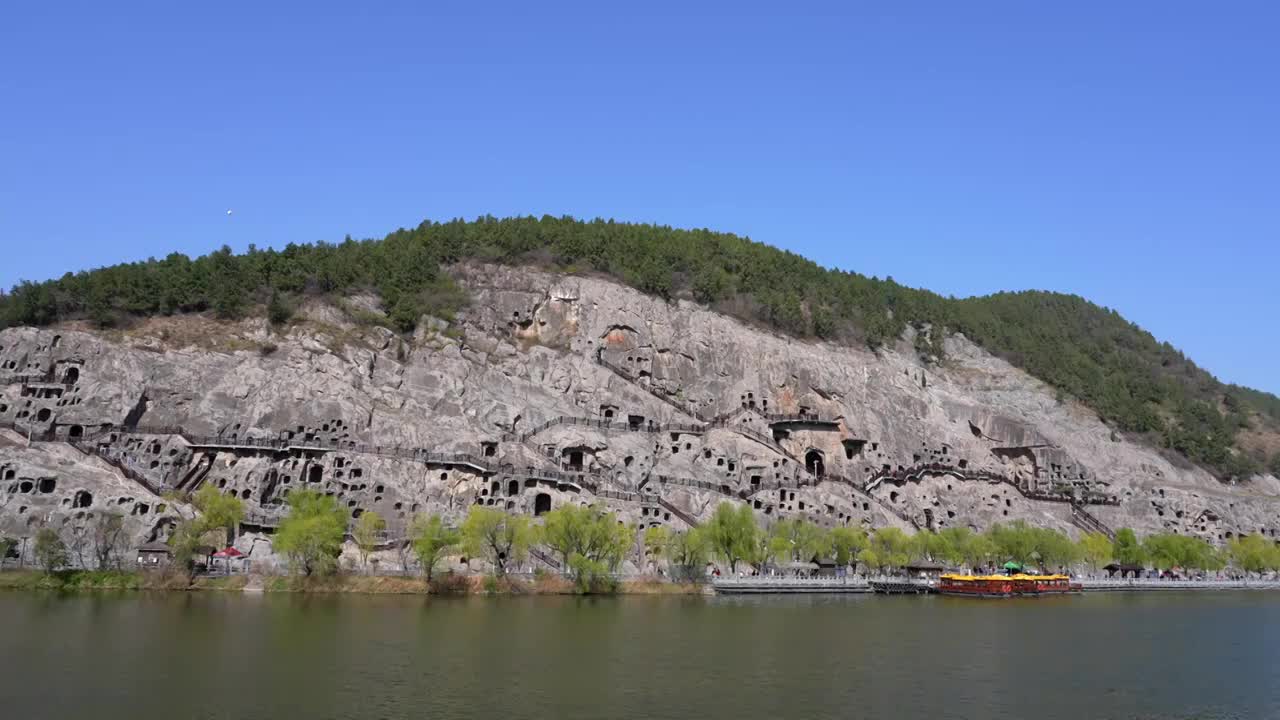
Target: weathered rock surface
(660, 410)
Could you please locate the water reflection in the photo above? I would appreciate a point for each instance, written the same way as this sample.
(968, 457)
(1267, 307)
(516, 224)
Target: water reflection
(811, 656)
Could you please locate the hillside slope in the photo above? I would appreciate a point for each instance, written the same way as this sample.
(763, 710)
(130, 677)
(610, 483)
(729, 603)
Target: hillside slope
(550, 388)
(1135, 383)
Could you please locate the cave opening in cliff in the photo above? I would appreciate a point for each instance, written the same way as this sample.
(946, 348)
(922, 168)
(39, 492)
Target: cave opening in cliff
(813, 463)
(575, 460)
(541, 504)
(513, 488)
(71, 376)
(47, 485)
(315, 474)
(82, 499)
(44, 414)
(76, 431)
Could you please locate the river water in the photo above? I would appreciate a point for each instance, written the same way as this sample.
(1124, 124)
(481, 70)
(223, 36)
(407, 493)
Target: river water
(209, 655)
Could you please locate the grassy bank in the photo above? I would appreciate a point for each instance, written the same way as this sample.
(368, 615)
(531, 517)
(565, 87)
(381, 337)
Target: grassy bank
(92, 580)
(462, 585)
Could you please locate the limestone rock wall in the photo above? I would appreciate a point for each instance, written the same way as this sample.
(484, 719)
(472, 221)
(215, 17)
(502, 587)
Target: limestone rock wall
(555, 389)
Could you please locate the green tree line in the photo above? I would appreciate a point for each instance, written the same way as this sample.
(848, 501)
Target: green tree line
(1133, 381)
(591, 543)
(736, 538)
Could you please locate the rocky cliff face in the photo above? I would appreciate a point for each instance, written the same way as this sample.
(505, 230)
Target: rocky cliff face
(557, 389)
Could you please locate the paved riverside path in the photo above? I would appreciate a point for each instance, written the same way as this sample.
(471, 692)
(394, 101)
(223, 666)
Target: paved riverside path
(763, 584)
(1153, 585)
(759, 584)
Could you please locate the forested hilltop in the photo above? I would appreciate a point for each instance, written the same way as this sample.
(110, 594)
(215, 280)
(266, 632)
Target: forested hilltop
(1136, 383)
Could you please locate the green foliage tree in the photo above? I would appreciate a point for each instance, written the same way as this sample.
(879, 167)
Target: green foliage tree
(432, 540)
(50, 551)
(1253, 553)
(1095, 549)
(687, 553)
(219, 510)
(279, 311)
(846, 543)
(591, 541)
(956, 546)
(979, 550)
(893, 548)
(732, 534)
(1013, 541)
(870, 559)
(657, 540)
(186, 542)
(798, 540)
(1025, 544)
(498, 536)
(1127, 550)
(369, 532)
(1054, 549)
(311, 534)
(935, 547)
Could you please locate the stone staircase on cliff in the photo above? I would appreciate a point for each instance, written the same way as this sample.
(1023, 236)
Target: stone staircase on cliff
(1086, 521)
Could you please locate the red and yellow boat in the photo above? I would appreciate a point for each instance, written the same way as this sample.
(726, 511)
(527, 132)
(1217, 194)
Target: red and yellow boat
(1006, 585)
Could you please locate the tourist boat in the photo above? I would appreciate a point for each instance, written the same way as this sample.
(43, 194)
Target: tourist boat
(1006, 585)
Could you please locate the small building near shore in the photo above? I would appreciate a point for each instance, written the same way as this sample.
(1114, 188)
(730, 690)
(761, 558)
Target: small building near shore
(1124, 570)
(801, 569)
(154, 555)
(827, 567)
(924, 570)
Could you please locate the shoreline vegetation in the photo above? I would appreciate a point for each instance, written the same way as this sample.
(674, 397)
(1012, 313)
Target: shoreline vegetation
(591, 551)
(72, 581)
(539, 584)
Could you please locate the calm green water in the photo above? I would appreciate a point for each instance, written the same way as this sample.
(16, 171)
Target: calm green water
(205, 655)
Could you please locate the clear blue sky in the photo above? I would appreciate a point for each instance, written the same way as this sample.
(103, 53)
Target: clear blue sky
(1128, 152)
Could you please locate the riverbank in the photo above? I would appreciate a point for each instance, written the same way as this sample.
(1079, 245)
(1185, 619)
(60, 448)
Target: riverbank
(93, 580)
(831, 585)
(90, 580)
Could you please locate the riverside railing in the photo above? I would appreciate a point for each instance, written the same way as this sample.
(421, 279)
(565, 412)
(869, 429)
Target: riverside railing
(1170, 584)
(790, 583)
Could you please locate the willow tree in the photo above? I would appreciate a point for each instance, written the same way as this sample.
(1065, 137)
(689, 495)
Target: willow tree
(369, 532)
(431, 540)
(497, 536)
(311, 535)
(732, 533)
